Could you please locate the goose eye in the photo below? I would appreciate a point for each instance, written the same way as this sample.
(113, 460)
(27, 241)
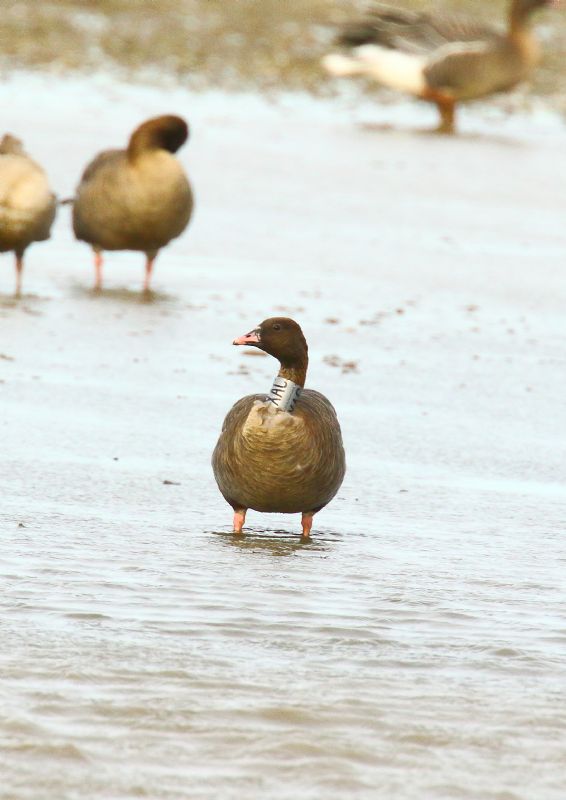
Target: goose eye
(276, 326)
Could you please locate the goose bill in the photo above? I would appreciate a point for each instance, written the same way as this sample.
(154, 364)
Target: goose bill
(252, 338)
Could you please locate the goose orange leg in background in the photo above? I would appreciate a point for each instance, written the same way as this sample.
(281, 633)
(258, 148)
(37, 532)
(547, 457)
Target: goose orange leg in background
(447, 109)
(98, 262)
(19, 270)
(446, 106)
(150, 261)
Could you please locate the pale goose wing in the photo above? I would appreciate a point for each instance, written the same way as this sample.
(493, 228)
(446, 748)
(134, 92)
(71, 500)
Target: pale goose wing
(414, 32)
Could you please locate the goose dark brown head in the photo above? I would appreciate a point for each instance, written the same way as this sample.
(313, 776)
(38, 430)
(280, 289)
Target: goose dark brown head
(282, 338)
(532, 5)
(168, 132)
(524, 8)
(11, 145)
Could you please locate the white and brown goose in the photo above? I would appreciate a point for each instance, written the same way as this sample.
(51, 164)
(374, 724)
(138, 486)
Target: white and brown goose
(138, 198)
(282, 451)
(444, 59)
(27, 204)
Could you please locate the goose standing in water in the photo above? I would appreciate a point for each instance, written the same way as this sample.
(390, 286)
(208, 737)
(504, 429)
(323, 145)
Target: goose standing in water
(444, 60)
(282, 451)
(27, 204)
(138, 198)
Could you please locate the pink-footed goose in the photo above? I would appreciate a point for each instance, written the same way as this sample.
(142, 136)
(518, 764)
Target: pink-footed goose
(138, 198)
(27, 204)
(282, 451)
(440, 58)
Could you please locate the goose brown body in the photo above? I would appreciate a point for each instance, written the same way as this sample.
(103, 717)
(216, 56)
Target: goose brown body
(441, 58)
(138, 198)
(273, 460)
(27, 204)
(276, 461)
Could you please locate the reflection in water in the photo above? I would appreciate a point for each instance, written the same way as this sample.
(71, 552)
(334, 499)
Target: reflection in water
(124, 294)
(275, 542)
(488, 136)
(21, 300)
(10, 301)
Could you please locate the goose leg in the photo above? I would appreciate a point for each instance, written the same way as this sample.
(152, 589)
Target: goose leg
(150, 260)
(19, 270)
(98, 261)
(306, 522)
(447, 110)
(239, 519)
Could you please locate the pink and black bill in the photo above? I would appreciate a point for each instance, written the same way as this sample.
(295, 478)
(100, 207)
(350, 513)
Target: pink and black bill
(251, 338)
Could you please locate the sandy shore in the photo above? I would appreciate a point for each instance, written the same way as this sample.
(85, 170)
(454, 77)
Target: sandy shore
(442, 261)
(428, 275)
(244, 45)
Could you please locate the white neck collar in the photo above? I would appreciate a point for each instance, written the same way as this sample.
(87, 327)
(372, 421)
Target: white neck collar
(284, 394)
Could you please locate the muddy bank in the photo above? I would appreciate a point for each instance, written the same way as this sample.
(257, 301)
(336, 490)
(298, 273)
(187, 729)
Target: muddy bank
(434, 266)
(249, 44)
(416, 648)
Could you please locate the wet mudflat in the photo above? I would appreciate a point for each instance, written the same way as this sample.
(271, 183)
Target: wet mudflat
(253, 44)
(416, 648)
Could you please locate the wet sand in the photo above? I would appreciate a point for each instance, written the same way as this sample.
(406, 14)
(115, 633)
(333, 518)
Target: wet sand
(248, 44)
(416, 649)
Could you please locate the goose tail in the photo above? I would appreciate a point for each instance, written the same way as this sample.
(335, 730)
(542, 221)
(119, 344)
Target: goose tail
(401, 71)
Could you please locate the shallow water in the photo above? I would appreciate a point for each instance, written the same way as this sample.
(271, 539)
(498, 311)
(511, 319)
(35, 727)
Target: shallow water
(416, 648)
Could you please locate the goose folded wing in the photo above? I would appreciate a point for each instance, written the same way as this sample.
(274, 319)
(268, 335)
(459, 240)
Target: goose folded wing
(472, 70)
(413, 32)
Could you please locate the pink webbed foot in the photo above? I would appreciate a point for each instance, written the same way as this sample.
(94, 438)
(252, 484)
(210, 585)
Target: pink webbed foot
(239, 519)
(306, 522)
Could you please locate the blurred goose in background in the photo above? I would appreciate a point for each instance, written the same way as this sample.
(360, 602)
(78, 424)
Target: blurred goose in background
(27, 205)
(442, 59)
(138, 198)
(282, 451)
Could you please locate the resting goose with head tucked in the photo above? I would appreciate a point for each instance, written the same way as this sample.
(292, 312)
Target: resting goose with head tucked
(444, 60)
(27, 204)
(138, 198)
(282, 451)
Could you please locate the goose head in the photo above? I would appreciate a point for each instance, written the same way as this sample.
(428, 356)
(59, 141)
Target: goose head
(523, 8)
(11, 145)
(282, 338)
(167, 132)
